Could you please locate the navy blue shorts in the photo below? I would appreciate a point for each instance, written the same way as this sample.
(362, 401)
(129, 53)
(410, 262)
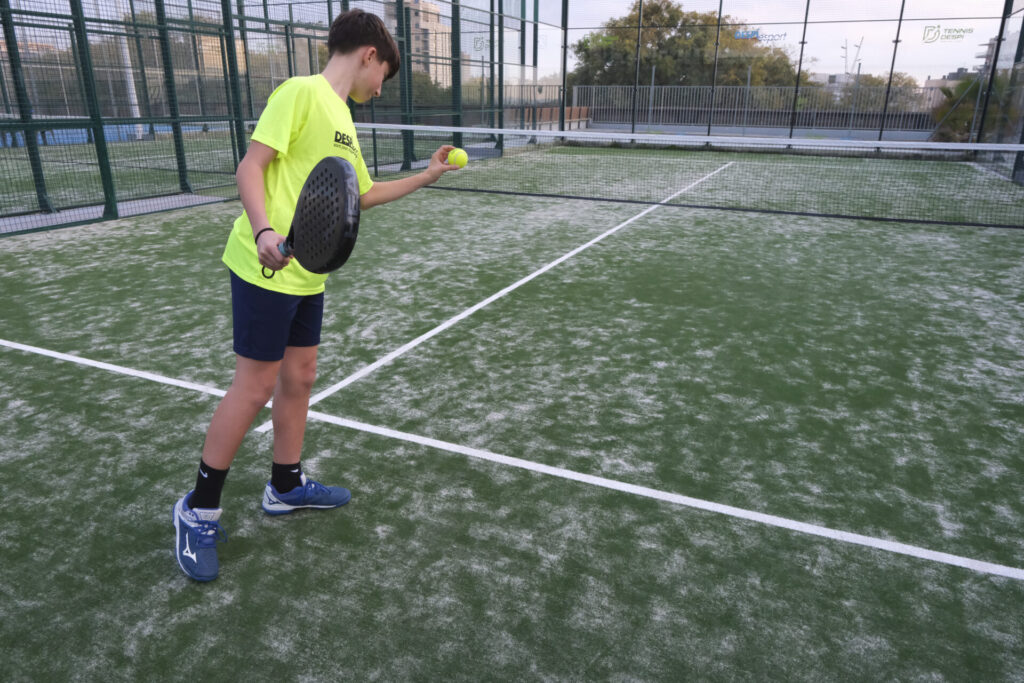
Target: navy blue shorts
(265, 322)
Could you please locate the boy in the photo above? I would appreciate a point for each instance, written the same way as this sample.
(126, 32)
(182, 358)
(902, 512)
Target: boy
(277, 321)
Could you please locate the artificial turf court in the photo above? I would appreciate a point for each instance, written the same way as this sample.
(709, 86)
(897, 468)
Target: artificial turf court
(812, 376)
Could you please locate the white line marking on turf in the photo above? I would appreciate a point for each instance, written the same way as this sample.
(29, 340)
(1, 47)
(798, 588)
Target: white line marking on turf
(358, 375)
(110, 367)
(728, 510)
(675, 498)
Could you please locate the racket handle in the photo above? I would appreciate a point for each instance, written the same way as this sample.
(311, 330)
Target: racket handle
(284, 249)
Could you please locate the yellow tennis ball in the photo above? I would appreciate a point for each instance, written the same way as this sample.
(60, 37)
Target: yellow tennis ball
(458, 157)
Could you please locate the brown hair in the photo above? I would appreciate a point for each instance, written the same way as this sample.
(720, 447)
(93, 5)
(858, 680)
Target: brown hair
(355, 29)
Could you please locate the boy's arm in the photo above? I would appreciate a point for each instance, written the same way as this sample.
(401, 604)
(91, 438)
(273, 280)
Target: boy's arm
(387, 191)
(252, 192)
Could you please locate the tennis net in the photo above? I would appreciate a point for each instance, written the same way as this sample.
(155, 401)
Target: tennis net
(978, 185)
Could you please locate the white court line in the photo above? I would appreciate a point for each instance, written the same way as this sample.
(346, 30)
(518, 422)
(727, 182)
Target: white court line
(110, 367)
(674, 498)
(358, 375)
(727, 510)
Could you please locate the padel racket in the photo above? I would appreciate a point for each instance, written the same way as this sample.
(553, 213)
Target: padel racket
(326, 222)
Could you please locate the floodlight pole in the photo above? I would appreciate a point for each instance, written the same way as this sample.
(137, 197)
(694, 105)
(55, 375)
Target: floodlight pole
(1007, 10)
(892, 69)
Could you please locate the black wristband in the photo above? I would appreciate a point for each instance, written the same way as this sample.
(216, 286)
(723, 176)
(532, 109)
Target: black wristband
(256, 239)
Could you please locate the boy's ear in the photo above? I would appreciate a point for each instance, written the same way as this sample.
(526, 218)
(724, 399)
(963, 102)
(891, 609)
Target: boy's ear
(370, 55)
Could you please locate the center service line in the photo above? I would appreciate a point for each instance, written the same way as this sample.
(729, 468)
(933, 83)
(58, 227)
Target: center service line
(358, 375)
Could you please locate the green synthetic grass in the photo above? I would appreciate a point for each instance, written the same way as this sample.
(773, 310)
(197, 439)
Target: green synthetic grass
(861, 376)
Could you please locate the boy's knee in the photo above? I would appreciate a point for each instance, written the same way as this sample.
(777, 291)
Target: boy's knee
(257, 390)
(299, 379)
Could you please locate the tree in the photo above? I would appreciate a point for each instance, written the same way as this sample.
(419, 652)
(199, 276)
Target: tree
(958, 116)
(680, 46)
(867, 93)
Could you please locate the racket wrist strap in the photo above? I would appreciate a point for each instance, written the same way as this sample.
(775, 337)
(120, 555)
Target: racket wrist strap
(257, 237)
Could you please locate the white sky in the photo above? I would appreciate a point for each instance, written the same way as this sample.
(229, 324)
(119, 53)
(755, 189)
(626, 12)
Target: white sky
(917, 56)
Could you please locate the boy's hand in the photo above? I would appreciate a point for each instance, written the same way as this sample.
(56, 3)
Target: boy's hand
(268, 252)
(439, 163)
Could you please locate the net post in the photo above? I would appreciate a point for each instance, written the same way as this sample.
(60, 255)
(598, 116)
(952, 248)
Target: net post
(172, 95)
(25, 107)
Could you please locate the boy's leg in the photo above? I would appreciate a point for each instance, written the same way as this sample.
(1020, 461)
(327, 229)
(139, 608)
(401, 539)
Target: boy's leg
(291, 402)
(249, 392)
(289, 489)
(251, 388)
(197, 513)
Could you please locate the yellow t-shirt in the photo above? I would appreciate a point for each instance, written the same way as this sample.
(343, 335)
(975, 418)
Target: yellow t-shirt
(305, 121)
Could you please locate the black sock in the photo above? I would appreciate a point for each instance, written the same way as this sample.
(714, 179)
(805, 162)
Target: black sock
(209, 484)
(284, 478)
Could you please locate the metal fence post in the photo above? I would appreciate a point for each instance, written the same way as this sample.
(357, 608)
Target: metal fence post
(404, 81)
(714, 74)
(235, 92)
(501, 69)
(289, 47)
(93, 104)
(1007, 10)
(565, 64)
(25, 106)
(799, 71)
(892, 68)
(1018, 60)
(456, 71)
(142, 67)
(243, 35)
(196, 56)
(636, 67)
(172, 96)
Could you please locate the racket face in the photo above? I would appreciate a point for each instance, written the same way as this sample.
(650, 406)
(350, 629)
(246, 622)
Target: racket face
(326, 222)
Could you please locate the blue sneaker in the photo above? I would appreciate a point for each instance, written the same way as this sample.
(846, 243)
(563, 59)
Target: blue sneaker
(311, 494)
(196, 534)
